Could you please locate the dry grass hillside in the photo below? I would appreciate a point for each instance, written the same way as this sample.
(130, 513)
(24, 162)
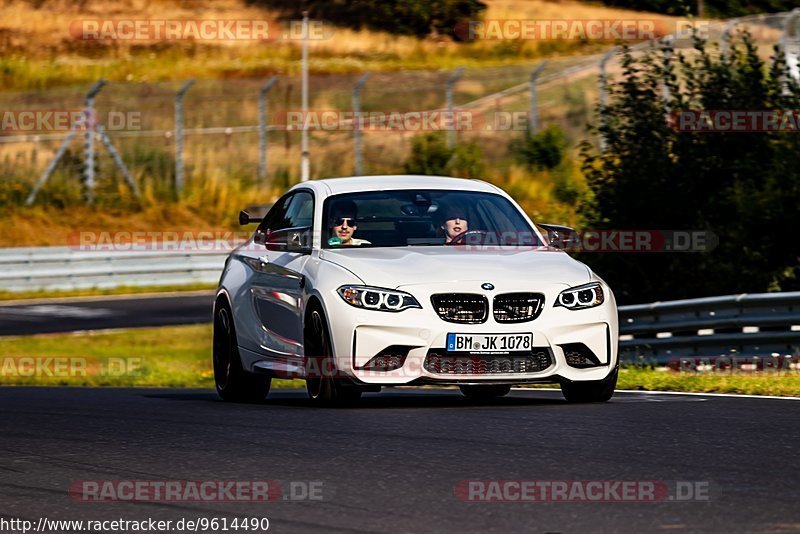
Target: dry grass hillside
(38, 52)
(37, 49)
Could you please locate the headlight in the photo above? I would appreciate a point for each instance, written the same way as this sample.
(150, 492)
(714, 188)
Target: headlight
(376, 298)
(581, 297)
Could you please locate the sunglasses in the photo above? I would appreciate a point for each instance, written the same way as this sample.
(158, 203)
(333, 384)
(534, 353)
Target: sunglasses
(339, 221)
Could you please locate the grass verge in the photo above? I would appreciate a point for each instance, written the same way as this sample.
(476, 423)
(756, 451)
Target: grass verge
(100, 292)
(143, 357)
(181, 357)
(785, 384)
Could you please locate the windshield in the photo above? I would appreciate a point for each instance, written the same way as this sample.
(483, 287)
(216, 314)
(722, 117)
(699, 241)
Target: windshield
(423, 218)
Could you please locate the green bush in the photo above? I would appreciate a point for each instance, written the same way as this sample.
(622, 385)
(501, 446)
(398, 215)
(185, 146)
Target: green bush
(467, 162)
(404, 17)
(543, 150)
(431, 156)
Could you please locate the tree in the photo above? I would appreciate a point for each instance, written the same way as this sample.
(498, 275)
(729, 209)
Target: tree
(712, 8)
(408, 17)
(742, 187)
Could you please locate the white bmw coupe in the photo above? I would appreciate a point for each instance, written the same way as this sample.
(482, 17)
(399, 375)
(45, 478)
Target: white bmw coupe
(357, 283)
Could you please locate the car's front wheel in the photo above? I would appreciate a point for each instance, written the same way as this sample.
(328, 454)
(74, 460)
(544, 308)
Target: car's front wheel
(479, 392)
(232, 381)
(591, 391)
(324, 387)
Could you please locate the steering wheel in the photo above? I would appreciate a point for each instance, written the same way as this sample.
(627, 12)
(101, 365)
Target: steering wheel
(461, 238)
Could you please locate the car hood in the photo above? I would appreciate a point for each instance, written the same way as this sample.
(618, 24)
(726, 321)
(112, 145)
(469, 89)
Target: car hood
(395, 267)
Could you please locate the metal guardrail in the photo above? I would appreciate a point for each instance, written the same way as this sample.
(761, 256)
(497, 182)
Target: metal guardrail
(759, 324)
(66, 268)
(747, 324)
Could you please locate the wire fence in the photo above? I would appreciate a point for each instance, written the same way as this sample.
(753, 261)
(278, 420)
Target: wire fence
(230, 133)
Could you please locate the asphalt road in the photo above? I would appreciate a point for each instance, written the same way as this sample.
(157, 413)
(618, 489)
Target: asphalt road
(96, 313)
(393, 463)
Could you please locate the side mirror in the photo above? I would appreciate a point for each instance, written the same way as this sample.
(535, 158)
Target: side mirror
(244, 218)
(561, 237)
(289, 240)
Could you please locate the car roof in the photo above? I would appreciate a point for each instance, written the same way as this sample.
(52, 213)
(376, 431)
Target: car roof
(335, 186)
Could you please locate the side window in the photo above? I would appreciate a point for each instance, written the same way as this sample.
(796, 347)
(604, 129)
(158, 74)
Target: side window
(294, 210)
(275, 218)
(300, 210)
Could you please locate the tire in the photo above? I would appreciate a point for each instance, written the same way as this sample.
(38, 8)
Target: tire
(593, 391)
(233, 383)
(491, 391)
(324, 390)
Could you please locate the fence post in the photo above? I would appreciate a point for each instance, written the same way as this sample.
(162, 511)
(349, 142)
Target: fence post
(262, 128)
(357, 123)
(118, 160)
(603, 87)
(90, 123)
(87, 122)
(534, 109)
(53, 162)
(451, 81)
(726, 35)
(790, 44)
(305, 158)
(179, 136)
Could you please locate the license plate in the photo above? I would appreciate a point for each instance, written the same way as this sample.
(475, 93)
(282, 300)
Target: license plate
(491, 343)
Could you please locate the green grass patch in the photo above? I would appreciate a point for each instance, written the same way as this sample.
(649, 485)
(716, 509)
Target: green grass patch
(180, 356)
(784, 383)
(144, 357)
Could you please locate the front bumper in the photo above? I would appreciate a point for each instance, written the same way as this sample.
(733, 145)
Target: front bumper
(359, 335)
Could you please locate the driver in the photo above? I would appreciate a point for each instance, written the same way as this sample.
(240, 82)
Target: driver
(343, 225)
(455, 223)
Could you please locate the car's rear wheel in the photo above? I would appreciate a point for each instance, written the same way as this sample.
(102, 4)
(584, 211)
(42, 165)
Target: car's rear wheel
(324, 387)
(490, 391)
(232, 381)
(592, 391)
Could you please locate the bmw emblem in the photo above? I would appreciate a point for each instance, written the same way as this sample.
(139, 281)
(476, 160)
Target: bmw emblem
(487, 286)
